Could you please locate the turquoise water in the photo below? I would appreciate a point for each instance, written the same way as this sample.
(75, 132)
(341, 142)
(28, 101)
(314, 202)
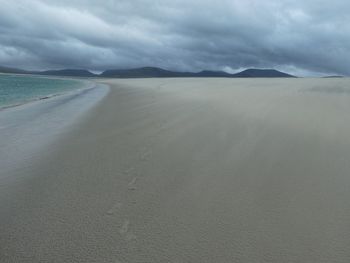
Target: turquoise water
(15, 90)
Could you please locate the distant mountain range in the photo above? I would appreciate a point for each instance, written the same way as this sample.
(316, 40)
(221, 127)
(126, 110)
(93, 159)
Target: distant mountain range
(68, 72)
(13, 70)
(333, 77)
(153, 72)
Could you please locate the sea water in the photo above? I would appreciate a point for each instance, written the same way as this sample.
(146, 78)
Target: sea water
(18, 89)
(29, 129)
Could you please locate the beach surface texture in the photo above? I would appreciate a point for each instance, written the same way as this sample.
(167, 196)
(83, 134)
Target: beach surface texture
(187, 170)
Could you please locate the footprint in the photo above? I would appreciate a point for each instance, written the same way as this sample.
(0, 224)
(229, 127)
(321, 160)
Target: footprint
(124, 230)
(146, 155)
(131, 185)
(125, 227)
(114, 208)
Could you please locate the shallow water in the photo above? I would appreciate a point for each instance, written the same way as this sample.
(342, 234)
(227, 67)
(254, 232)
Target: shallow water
(27, 128)
(15, 89)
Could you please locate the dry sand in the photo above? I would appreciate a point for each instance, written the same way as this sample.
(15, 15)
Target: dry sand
(191, 170)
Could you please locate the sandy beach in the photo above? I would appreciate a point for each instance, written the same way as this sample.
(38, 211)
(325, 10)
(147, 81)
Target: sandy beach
(189, 170)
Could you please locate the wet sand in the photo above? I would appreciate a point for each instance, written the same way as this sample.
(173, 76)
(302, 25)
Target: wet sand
(190, 170)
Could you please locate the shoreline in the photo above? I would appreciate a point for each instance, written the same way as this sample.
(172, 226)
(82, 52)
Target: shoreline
(189, 170)
(34, 125)
(85, 84)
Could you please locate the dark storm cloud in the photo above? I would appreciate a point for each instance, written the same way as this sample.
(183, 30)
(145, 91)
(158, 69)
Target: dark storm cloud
(296, 36)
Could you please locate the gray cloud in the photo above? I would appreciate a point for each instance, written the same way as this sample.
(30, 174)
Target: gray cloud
(304, 37)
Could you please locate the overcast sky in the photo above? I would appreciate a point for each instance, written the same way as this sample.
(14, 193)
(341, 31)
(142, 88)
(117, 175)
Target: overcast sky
(298, 36)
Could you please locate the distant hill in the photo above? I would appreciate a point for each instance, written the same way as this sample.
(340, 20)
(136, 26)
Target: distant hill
(153, 72)
(145, 72)
(13, 70)
(262, 73)
(63, 72)
(333, 77)
(68, 73)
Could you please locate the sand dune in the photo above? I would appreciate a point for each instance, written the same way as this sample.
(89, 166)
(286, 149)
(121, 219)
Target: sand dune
(191, 170)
